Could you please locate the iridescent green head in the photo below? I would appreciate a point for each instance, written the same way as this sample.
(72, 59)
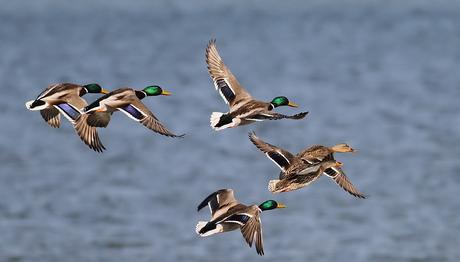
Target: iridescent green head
(95, 88)
(282, 101)
(270, 204)
(155, 91)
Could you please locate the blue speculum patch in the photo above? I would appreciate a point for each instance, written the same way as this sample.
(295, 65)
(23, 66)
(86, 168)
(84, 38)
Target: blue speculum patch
(278, 159)
(330, 172)
(133, 111)
(69, 110)
(225, 89)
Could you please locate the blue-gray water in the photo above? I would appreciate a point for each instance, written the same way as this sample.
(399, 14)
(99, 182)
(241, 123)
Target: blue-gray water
(379, 75)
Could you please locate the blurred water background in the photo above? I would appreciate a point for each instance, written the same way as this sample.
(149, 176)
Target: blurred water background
(379, 75)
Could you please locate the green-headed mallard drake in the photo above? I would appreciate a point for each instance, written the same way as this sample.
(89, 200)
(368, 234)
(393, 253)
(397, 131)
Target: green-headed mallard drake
(128, 101)
(228, 214)
(66, 98)
(243, 108)
(300, 170)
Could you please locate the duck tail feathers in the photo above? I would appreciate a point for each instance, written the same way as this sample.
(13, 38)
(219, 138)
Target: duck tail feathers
(272, 185)
(200, 226)
(221, 121)
(215, 119)
(35, 105)
(204, 228)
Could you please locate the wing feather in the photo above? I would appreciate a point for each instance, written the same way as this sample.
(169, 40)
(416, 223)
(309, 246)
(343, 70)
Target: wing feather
(153, 124)
(282, 158)
(51, 116)
(344, 182)
(149, 120)
(88, 134)
(224, 81)
(98, 119)
(252, 231)
(218, 199)
(270, 115)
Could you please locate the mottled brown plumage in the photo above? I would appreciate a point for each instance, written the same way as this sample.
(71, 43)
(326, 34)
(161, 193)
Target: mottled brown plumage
(300, 170)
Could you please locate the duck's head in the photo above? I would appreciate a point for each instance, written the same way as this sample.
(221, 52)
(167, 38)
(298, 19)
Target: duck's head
(270, 204)
(342, 148)
(152, 91)
(94, 88)
(281, 101)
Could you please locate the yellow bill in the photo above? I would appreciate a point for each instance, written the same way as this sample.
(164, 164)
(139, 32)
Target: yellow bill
(280, 205)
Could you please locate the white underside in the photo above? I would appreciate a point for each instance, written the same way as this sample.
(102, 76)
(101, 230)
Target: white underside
(37, 108)
(202, 224)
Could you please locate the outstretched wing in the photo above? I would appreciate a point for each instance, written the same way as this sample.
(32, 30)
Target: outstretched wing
(337, 174)
(217, 200)
(224, 81)
(69, 111)
(279, 156)
(55, 88)
(140, 113)
(270, 115)
(98, 119)
(51, 116)
(88, 134)
(252, 230)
